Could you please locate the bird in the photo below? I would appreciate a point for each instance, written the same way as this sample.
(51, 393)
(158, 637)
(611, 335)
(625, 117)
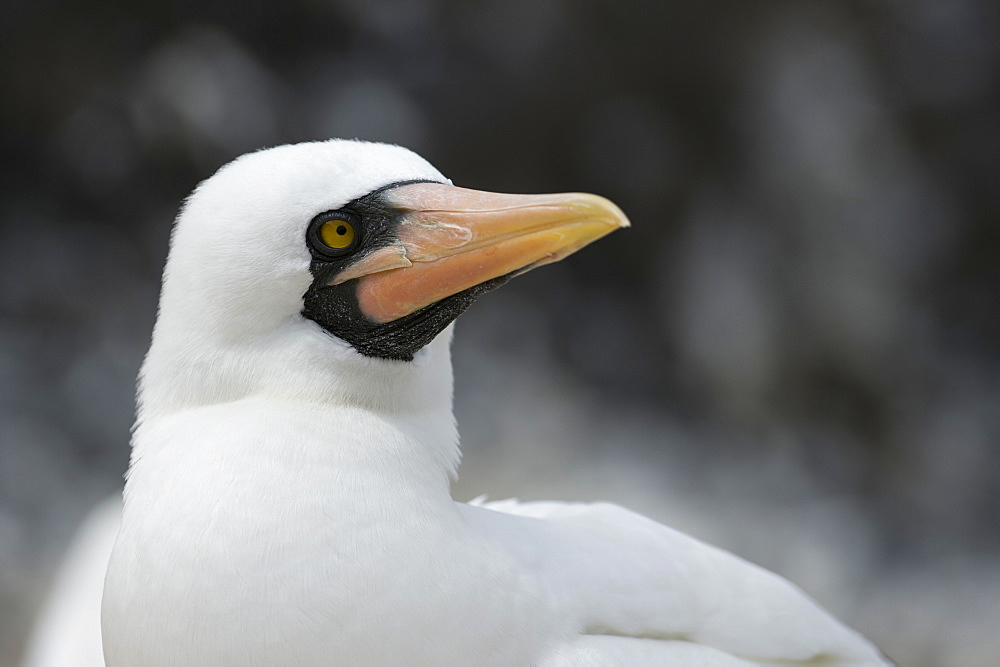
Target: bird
(288, 496)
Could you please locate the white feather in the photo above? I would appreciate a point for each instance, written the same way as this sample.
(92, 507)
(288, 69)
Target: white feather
(288, 500)
(67, 631)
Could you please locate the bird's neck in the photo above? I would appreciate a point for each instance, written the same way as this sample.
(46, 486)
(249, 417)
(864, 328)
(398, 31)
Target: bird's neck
(301, 368)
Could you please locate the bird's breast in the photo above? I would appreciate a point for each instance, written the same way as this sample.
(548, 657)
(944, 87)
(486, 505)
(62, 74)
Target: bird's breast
(241, 540)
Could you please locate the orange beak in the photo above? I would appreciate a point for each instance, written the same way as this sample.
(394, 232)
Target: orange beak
(451, 239)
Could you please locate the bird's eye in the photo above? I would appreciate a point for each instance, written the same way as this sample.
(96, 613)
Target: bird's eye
(334, 234)
(337, 234)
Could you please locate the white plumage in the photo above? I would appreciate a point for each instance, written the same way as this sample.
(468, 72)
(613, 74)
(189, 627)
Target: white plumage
(67, 629)
(288, 500)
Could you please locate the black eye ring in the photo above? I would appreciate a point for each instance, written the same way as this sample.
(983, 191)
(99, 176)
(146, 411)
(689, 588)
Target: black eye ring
(334, 234)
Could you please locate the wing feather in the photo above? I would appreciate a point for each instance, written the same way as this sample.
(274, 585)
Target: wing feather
(620, 573)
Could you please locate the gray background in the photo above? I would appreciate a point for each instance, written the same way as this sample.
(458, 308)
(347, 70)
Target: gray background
(792, 354)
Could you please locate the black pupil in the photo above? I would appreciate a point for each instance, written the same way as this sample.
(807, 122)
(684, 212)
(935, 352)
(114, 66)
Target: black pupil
(341, 230)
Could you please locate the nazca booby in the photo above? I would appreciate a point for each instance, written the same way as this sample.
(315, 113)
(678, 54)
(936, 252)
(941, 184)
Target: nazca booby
(288, 498)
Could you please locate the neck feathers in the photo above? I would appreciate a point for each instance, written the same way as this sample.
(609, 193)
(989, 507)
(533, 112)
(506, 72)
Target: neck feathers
(303, 366)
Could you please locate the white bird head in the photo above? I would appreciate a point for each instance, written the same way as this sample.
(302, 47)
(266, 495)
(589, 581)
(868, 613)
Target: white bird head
(329, 270)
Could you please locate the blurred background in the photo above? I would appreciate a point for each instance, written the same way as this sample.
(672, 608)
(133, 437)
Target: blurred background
(792, 354)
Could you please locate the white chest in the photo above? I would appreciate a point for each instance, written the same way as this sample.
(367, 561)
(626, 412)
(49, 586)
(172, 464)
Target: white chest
(261, 549)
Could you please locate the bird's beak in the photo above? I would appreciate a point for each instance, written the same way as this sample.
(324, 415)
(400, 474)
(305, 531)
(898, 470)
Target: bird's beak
(450, 239)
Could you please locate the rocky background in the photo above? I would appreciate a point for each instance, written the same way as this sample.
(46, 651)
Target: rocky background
(793, 353)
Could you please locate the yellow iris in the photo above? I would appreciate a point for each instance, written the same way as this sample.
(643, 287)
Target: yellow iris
(337, 234)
